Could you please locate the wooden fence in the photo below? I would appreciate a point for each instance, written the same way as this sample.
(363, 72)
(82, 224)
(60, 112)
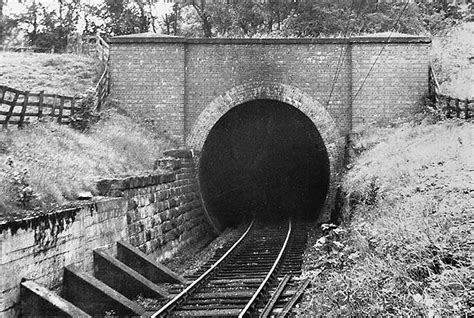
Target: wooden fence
(449, 106)
(19, 107)
(92, 45)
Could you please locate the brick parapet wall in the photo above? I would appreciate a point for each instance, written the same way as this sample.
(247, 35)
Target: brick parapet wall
(394, 81)
(159, 213)
(212, 67)
(160, 101)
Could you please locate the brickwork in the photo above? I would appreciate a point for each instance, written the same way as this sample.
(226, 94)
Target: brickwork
(211, 67)
(214, 69)
(318, 114)
(160, 100)
(159, 213)
(396, 84)
(219, 74)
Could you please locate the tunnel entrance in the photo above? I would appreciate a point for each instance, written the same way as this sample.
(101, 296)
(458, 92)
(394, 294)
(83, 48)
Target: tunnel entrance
(264, 158)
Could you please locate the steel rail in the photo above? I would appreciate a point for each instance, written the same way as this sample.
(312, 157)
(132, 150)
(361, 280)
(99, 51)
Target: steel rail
(269, 275)
(175, 301)
(267, 311)
(291, 303)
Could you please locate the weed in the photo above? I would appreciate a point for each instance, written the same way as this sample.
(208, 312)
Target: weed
(406, 249)
(61, 162)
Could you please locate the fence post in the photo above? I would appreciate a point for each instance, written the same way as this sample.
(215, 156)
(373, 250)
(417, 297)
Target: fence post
(61, 108)
(10, 111)
(4, 90)
(73, 104)
(456, 105)
(53, 108)
(23, 109)
(448, 107)
(40, 104)
(466, 109)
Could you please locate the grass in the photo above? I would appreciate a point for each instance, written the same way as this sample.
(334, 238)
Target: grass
(450, 55)
(405, 247)
(47, 164)
(64, 74)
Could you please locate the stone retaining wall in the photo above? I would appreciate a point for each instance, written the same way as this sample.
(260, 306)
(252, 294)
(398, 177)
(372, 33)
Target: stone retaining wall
(158, 213)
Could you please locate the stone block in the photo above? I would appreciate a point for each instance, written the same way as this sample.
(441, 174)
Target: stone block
(38, 301)
(124, 279)
(94, 297)
(146, 266)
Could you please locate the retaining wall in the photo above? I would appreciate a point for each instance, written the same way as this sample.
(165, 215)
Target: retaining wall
(159, 213)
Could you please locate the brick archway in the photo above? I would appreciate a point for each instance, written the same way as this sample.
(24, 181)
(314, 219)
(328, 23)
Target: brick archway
(265, 90)
(284, 93)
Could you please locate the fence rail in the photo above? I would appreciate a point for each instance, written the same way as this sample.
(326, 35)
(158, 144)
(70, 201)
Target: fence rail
(448, 105)
(20, 107)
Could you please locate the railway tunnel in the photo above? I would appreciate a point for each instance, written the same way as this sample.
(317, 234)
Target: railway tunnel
(264, 158)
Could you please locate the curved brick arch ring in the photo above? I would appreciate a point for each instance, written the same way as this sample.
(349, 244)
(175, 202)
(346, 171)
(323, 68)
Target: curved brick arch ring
(266, 90)
(275, 91)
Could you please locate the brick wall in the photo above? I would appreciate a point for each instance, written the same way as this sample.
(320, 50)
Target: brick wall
(396, 83)
(209, 68)
(159, 213)
(150, 79)
(214, 69)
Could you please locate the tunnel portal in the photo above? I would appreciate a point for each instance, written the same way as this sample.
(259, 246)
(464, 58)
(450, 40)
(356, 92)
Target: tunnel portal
(264, 158)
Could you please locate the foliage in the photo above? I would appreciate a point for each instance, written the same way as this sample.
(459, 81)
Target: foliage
(7, 27)
(170, 23)
(46, 29)
(450, 55)
(124, 17)
(308, 19)
(86, 115)
(62, 162)
(17, 184)
(406, 251)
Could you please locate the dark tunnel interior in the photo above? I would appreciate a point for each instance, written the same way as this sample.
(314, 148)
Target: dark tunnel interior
(264, 158)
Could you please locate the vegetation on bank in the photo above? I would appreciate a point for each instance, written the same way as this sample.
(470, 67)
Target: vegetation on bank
(64, 74)
(405, 246)
(46, 164)
(453, 60)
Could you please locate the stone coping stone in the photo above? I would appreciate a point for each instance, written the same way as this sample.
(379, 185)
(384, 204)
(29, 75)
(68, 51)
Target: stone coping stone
(179, 153)
(113, 187)
(67, 212)
(158, 38)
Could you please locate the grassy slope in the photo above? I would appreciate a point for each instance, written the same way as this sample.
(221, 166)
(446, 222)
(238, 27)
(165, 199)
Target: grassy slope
(450, 54)
(406, 245)
(64, 74)
(57, 162)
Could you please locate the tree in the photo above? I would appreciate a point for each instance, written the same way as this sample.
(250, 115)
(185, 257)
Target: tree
(124, 17)
(205, 17)
(170, 23)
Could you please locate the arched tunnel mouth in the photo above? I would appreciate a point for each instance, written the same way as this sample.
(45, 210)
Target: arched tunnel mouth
(264, 159)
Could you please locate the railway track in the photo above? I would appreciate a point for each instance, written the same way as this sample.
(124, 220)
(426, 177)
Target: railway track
(254, 277)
